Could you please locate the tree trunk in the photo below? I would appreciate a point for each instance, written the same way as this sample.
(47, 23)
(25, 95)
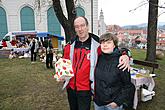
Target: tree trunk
(67, 23)
(152, 30)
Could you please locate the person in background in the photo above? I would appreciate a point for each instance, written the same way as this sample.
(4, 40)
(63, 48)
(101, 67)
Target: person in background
(13, 42)
(49, 53)
(33, 48)
(113, 87)
(82, 51)
(4, 44)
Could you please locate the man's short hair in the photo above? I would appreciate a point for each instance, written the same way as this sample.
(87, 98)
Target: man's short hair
(86, 20)
(109, 36)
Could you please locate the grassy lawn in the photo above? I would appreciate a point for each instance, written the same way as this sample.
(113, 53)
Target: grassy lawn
(158, 101)
(26, 86)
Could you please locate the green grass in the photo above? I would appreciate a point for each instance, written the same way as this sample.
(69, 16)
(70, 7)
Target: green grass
(26, 86)
(158, 101)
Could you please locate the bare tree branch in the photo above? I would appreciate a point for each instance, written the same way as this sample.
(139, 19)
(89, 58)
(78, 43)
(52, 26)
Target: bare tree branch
(138, 7)
(75, 1)
(70, 10)
(162, 4)
(161, 13)
(66, 22)
(39, 4)
(59, 12)
(157, 5)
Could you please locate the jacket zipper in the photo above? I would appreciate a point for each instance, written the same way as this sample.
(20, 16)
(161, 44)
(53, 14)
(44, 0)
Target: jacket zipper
(82, 60)
(77, 70)
(75, 59)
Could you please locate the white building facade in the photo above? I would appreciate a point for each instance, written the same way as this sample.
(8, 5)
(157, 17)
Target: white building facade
(23, 15)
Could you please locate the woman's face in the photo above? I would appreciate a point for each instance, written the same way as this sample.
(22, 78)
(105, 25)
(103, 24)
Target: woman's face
(107, 46)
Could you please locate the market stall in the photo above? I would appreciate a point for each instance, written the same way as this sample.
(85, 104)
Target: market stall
(54, 37)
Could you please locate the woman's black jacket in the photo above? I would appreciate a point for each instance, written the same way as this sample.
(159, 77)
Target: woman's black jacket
(111, 83)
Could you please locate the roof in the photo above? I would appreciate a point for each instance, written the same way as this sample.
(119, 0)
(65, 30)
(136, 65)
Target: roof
(49, 34)
(162, 35)
(23, 32)
(132, 32)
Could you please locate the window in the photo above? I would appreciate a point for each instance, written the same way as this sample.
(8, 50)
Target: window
(27, 19)
(80, 11)
(53, 23)
(3, 23)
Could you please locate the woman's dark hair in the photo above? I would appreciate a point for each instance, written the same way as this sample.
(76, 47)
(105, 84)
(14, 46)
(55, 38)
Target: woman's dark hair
(109, 36)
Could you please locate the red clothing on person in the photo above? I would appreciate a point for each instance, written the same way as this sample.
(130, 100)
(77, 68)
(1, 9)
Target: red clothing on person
(13, 43)
(80, 81)
(4, 43)
(82, 54)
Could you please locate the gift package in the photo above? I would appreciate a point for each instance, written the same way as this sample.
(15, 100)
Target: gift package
(63, 70)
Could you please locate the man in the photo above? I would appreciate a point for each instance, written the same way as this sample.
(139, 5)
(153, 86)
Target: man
(34, 48)
(49, 53)
(83, 53)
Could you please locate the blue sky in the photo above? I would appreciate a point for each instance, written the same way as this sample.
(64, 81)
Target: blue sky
(117, 11)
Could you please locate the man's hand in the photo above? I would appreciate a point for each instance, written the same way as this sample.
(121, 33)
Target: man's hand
(61, 80)
(124, 63)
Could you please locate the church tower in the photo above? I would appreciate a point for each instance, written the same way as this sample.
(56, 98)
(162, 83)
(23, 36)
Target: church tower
(101, 24)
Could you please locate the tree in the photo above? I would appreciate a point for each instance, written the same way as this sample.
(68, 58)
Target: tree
(152, 30)
(66, 22)
(152, 27)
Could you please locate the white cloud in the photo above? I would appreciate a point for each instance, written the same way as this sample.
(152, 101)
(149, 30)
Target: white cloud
(117, 11)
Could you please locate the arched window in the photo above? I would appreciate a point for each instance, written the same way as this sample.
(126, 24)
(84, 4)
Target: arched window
(53, 23)
(80, 11)
(3, 23)
(27, 19)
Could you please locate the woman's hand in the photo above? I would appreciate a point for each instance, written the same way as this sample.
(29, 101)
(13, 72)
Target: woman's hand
(124, 63)
(113, 105)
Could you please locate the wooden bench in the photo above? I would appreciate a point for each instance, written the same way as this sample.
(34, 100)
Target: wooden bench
(147, 63)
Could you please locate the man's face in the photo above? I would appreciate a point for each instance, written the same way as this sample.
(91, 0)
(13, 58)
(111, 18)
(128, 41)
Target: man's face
(81, 27)
(107, 46)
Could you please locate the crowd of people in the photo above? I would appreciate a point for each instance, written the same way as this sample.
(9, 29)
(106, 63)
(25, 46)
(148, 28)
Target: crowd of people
(16, 43)
(34, 48)
(44, 49)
